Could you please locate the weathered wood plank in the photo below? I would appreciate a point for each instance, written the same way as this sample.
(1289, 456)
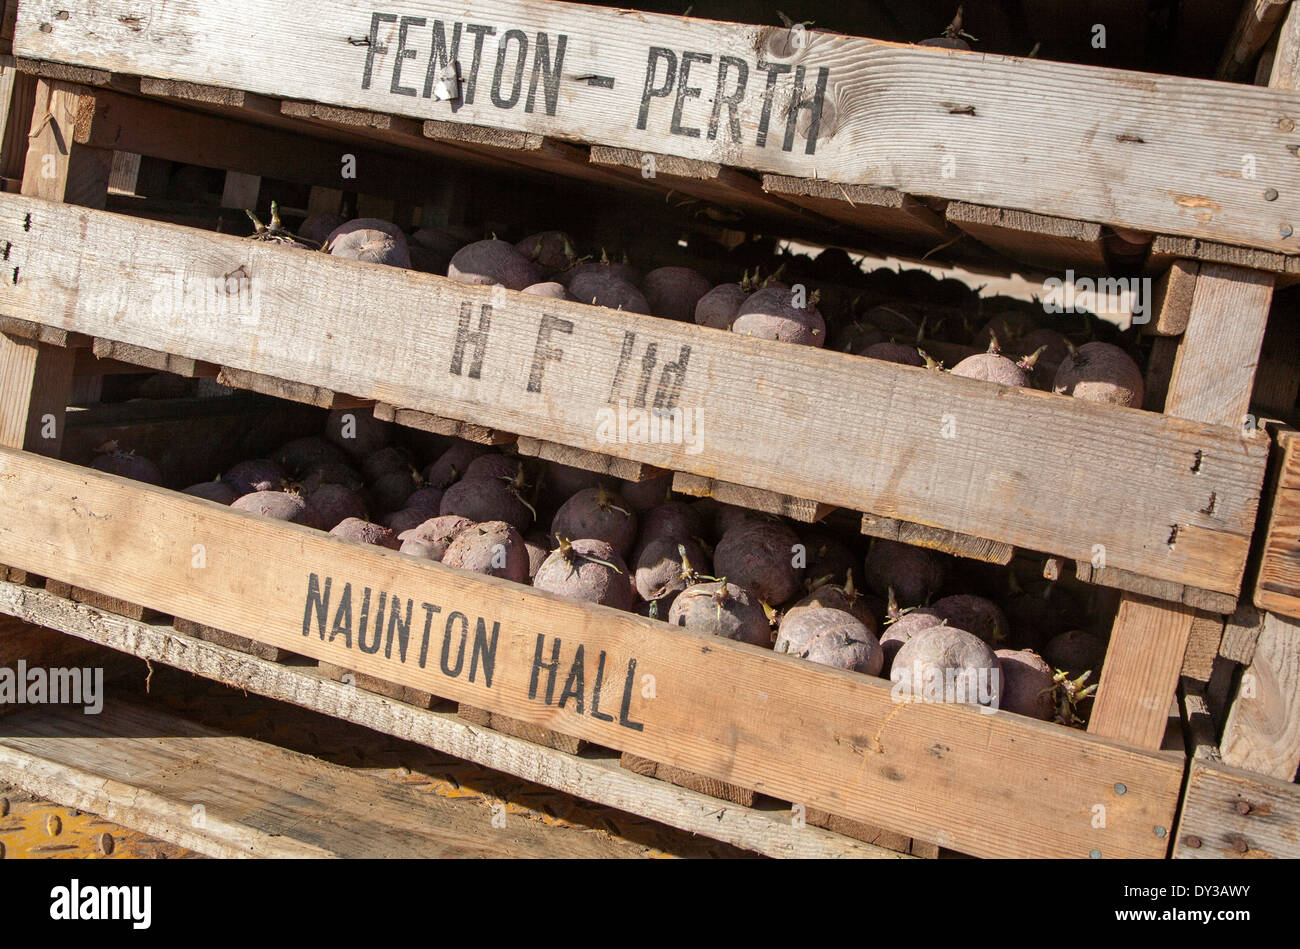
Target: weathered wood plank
(319, 396)
(1262, 733)
(1277, 588)
(525, 730)
(150, 770)
(1172, 299)
(723, 790)
(1231, 813)
(1255, 26)
(593, 778)
(893, 215)
(1008, 785)
(559, 371)
(1154, 164)
(153, 359)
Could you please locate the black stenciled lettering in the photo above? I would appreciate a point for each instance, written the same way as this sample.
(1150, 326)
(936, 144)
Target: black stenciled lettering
(732, 99)
(797, 105)
(498, 100)
(403, 54)
(544, 352)
(627, 699)
(429, 610)
(624, 358)
(685, 91)
(343, 617)
(543, 70)
(317, 602)
(485, 651)
(365, 621)
(648, 363)
(446, 644)
(671, 380)
(650, 92)
(400, 627)
(479, 32)
(440, 54)
(773, 70)
(373, 48)
(551, 668)
(573, 684)
(466, 337)
(595, 691)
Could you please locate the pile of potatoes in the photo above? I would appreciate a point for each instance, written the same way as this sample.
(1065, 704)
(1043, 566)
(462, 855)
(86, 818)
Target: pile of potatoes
(819, 592)
(906, 317)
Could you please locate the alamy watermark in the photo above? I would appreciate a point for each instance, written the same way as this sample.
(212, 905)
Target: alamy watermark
(653, 426)
(922, 682)
(233, 298)
(38, 686)
(1103, 296)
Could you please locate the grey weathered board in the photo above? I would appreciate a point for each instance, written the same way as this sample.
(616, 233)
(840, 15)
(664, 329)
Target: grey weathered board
(846, 431)
(1153, 153)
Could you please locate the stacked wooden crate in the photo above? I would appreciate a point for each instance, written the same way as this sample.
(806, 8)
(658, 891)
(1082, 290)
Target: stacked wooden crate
(835, 143)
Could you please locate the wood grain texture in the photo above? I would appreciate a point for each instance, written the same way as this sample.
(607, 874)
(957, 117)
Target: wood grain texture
(149, 770)
(221, 638)
(1140, 672)
(1240, 633)
(438, 425)
(311, 324)
(622, 468)
(1285, 70)
(1153, 163)
(153, 359)
(1002, 784)
(782, 505)
(1262, 733)
(1214, 372)
(1155, 589)
(1034, 239)
(520, 729)
(936, 538)
(881, 212)
(723, 790)
(593, 778)
(35, 383)
(1172, 299)
(58, 167)
(319, 396)
(1254, 28)
(1202, 646)
(1277, 587)
(393, 690)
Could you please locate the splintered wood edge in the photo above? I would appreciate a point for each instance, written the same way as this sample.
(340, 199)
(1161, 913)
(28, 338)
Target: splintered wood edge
(599, 780)
(624, 469)
(40, 333)
(153, 359)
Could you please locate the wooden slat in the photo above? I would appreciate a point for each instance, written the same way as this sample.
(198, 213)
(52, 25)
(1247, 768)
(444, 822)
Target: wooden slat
(892, 215)
(1153, 164)
(1202, 646)
(723, 790)
(153, 359)
(855, 757)
(438, 425)
(1255, 26)
(1034, 239)
(221, 638)
(601, 780)
(393, 690)
(783, 505)
(56, 169)
(1262, 733)
(1212, 378)
(624, 469)
(824, 433)
(1277, 587)
(1155, 589)
(149, 770)
(1171, 302)
(1214, 373)
(521, 729)
(935, 538)
(319, 396)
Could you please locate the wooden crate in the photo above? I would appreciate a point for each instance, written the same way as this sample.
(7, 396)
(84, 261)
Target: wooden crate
(564, 72)
(935, 772)
(1169, 500)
